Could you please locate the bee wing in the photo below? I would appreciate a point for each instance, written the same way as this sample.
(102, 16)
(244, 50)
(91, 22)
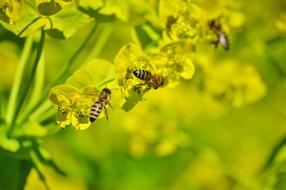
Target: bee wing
(91, 92)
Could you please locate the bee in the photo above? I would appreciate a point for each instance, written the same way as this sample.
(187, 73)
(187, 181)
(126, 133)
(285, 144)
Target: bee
(152, 80)
(103, 98)
(222, 37)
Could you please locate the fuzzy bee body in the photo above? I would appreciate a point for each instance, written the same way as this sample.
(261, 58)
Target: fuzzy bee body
(100, 104)
(222, 37)
(152, 80)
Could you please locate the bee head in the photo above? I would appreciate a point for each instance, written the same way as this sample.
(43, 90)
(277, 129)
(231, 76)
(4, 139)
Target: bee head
(106, 90)
(157, 81)
(214, 25)
(211, 23)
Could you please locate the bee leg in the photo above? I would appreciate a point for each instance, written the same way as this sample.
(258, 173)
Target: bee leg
(138, 86)
(105, 111)
(109, 104)
(149, 86)
(215, 43)
(128, 73)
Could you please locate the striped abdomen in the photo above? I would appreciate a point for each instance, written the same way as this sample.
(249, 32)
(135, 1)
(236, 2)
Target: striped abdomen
(95, 111)
(143, 74)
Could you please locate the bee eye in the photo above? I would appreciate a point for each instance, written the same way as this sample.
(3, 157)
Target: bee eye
(107, 90)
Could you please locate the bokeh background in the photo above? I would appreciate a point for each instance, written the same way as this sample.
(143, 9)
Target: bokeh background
(183, 137)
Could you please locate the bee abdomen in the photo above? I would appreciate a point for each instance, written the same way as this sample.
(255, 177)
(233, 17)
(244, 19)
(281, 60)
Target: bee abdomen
(224, 41)
(142, 74)
(95, 111)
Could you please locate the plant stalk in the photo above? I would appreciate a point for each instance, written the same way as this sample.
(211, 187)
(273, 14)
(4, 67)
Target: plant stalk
(273, 155)
(28, 83)
(18, 79)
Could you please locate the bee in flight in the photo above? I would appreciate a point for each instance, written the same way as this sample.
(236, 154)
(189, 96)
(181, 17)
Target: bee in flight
(103, 98)
(152, 80)
(222, 37)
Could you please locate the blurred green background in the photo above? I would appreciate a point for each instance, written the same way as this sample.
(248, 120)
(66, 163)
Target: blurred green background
(176, 138)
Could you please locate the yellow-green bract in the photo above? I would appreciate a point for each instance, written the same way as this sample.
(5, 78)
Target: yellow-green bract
(75, 98)
(173, 63)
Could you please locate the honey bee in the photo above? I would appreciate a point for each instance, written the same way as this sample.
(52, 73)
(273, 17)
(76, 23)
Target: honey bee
(152, 80)
(103, 98)
(222, 37)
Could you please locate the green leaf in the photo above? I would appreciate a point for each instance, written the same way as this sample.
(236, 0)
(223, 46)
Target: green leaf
(55, 33)
(104, 11)
(16, 172)
(96, 73)
(2, 121)
(119, 8)
(131, 101)
(6, 143)
(147, 35)
(280, 183)
(142, 12)
(48, 8)
(275, 51)
(65, 23)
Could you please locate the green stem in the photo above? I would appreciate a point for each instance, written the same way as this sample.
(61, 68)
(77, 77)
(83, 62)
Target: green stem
(18, 79)
(24, 170)
(101, 42)
(30, 24)
(41, 110)
(135, 37)
(276, 149)
(37, 87)
(28, 83)
(67, 69)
